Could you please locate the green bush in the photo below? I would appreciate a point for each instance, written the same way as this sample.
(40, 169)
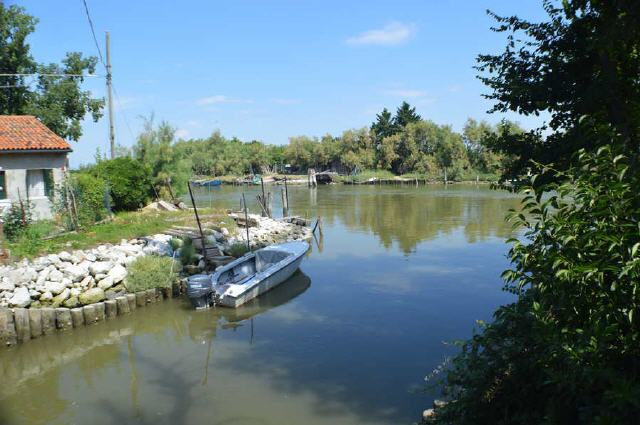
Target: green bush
(129, 182)
(150, 271)
(568, 351)
(187, 252)
(237, 249)
(91, 198)
(17, 219)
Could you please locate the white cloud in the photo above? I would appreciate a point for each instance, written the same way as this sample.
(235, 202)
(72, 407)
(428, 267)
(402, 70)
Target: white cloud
(219, 98)
(455, 88)
(391, 34)
(181, 133)
(193, 123)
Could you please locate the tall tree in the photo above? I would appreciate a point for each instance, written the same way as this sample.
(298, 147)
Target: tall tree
(57, 100)
(406, 115)
(384, 125)
(580, 67)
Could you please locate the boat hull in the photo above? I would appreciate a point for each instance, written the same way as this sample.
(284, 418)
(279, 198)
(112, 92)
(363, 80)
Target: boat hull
(264, 285)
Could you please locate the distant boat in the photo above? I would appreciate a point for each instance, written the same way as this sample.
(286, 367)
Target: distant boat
(210, 183)
(247, 277)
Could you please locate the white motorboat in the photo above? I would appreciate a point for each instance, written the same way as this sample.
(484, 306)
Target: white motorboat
(247, 277)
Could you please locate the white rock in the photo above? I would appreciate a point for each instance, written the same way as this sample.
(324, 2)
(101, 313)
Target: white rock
(106, 283)
(46, 296)
(53, 258)
(117, 273)
(67, 282)
(86, 282)
(100, 267)
(99, 277)
(75, 292)
(34, 293)
(21, 298)
(54, 287)
(90, 257)
(55, 276)
(6, 285)
(76, 273)
(64, 256)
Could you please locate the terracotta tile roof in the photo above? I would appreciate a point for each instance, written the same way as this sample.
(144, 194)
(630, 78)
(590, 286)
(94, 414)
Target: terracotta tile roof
(25, 132)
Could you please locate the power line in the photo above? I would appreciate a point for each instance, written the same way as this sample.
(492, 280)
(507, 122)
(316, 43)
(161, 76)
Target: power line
(93, 32)
(124, 115)
(37, 74)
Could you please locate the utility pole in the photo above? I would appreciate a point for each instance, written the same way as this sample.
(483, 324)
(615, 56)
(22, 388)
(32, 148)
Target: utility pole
(112, 137)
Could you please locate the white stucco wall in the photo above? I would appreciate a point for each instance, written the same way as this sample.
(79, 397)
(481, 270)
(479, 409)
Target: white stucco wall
(15, 166)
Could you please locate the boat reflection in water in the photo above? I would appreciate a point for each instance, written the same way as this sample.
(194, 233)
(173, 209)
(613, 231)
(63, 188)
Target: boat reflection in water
(203, 323)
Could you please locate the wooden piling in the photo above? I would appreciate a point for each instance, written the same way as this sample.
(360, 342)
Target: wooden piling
(246, 220)
(150, 296)
(131, 299)
(100, 311)
(141, 298)
(77, 317)
(285, 206)
(110, 309)
(63, 319)
(89, 313)
(8, 334)
(21, 320)
(123, 305)
(48, 321)
(35, 322)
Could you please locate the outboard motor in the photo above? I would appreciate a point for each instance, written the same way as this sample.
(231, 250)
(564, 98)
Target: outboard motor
(200, 290)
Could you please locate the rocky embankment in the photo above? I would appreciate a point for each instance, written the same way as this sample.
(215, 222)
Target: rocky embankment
(83, 277)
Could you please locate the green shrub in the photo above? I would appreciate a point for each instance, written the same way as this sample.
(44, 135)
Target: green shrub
(17, 219)
(92, 198)
(150, 271)
(568, 351)
(237, 249)
(187, 252)
(129, 182)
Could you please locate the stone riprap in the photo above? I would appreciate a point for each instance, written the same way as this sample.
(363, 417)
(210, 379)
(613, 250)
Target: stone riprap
(268, 231)
(81, 287)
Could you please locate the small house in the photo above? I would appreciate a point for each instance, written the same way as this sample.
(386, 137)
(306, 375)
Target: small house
(33, 160)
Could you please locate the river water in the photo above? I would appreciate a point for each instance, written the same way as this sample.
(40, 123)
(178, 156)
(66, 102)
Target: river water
(399, 272)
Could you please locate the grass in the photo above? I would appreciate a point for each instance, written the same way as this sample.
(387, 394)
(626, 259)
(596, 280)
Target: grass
(149, 272)
(127, 225)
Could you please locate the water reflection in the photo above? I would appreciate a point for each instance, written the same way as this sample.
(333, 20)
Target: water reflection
(33, 385)
(405, 215)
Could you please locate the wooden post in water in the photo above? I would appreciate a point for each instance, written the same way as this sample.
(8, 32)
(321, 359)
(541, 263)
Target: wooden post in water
(195, 210)
(246, 220)
(285, 204)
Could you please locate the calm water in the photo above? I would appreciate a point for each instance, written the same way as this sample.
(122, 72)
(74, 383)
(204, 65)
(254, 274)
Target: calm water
(348, 340)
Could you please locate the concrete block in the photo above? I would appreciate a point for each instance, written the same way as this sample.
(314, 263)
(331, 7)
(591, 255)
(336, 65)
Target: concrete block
(35, 322)
(123, 305)
(7, 328)
(77, 317)
(110, 309)
(63, 319)
(21, 319)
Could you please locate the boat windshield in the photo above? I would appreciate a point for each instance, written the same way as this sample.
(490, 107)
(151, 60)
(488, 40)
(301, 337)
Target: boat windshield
(267, 258)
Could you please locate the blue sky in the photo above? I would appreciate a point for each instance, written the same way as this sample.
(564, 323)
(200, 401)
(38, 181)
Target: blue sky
(268, 70)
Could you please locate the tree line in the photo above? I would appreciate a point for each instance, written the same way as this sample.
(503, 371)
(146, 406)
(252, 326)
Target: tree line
(403, 143)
